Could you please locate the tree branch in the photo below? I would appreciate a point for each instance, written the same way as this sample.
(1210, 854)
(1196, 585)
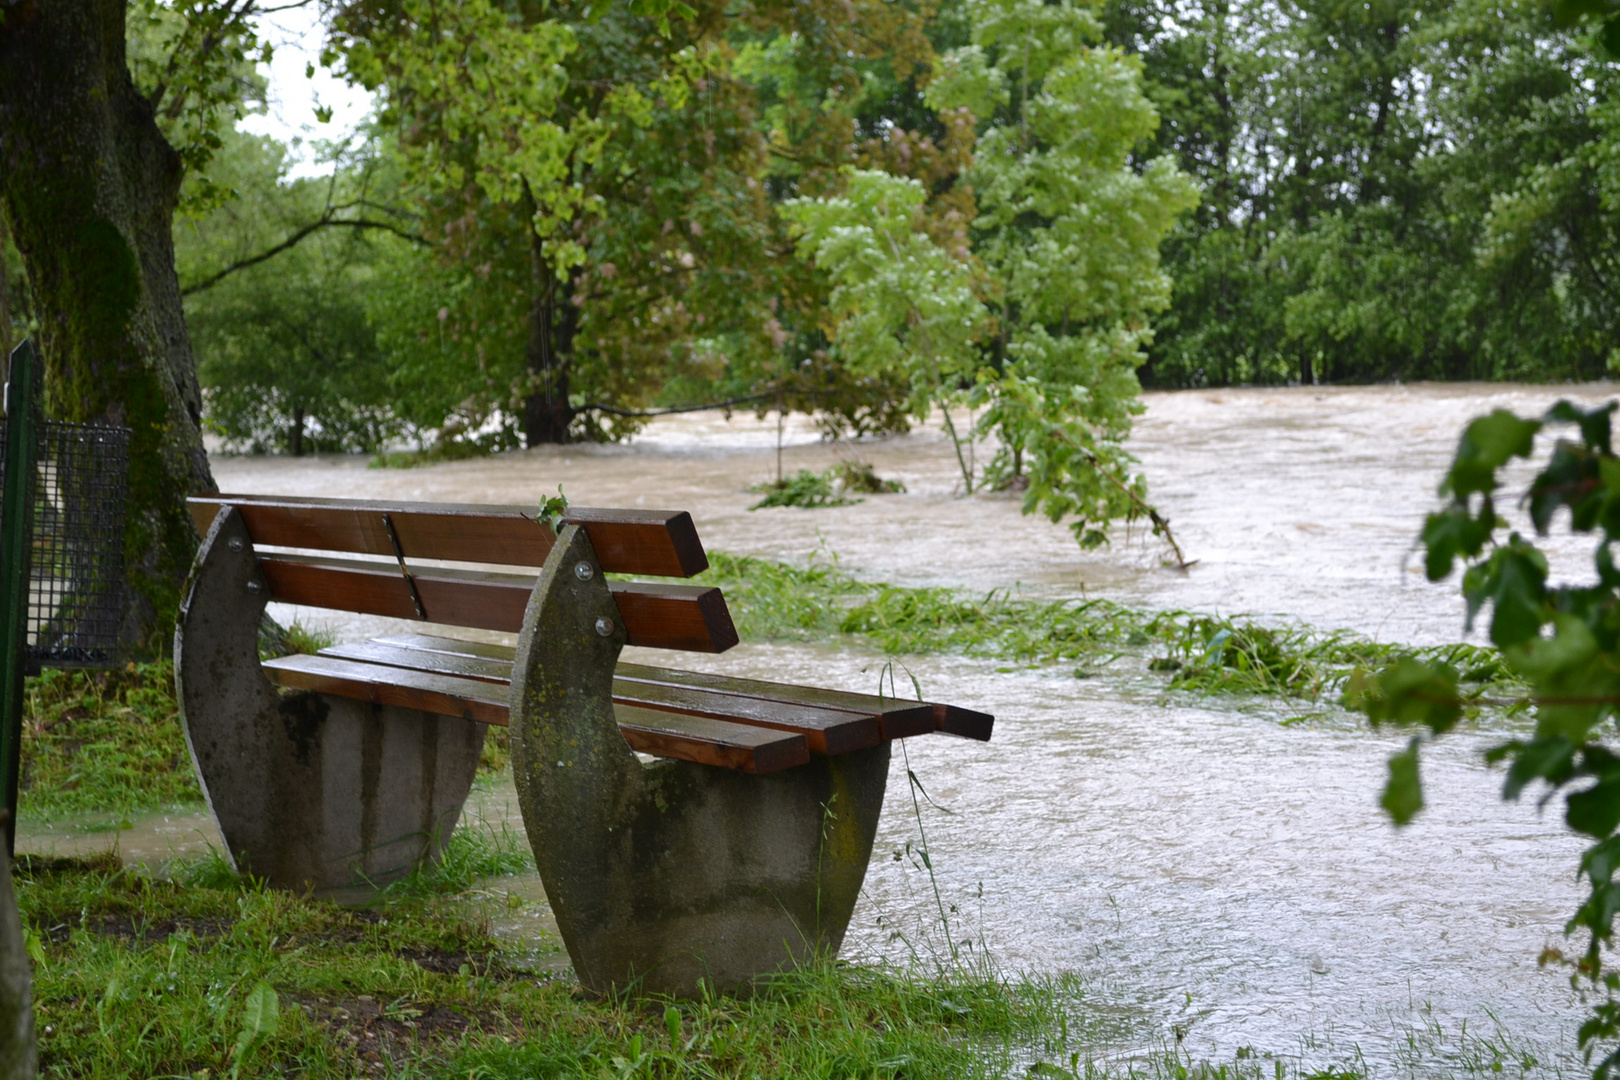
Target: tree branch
(324, 222)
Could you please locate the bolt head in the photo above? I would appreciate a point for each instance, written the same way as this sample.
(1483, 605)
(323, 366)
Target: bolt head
(235, 543)
(255, 586)
(604, 625)
(584, 570)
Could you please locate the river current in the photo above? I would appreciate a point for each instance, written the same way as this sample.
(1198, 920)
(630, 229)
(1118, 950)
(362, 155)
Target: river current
(1215, 872)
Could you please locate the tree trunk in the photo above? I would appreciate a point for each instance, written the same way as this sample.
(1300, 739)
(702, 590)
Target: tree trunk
(546, 413)
(89, 185)
(5, 296)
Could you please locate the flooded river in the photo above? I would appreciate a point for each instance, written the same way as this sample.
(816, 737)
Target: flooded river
(1216, 878)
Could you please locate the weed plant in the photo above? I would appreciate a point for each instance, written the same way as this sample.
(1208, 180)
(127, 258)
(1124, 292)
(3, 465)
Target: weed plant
(804, 489)
(860, 477)
(832, 487)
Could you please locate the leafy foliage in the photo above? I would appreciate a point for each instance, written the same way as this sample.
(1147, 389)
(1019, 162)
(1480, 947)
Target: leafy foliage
(1046, 320)
(1562, 640)
(899, 301)
(1392, 190)
(839, 486)
(288, 351)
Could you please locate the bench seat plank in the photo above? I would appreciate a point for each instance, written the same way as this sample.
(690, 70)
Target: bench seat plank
(828, 731)
(690, 738)
(656, 542)
(898, 719)
(689, 617)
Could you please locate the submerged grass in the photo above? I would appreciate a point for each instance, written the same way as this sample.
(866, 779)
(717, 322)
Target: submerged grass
(773, 601)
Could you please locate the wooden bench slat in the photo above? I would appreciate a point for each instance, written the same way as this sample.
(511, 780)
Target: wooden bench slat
(710, 742)
(898, 719)
(688, 738)
(446, 695)
(689, 617)
(657, 542)
(827, 731)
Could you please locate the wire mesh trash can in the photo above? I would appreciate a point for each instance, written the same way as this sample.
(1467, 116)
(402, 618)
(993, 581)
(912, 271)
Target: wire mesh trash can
(62, 495)
(76, 555)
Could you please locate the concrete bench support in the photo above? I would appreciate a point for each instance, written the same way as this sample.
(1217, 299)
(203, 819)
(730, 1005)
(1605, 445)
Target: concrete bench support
(307, 789)
(668, 874)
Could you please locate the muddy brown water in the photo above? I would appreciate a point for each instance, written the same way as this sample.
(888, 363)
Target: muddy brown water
(1217, 879)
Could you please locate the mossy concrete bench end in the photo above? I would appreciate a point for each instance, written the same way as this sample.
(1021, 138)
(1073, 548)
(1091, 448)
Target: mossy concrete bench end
(736, 850)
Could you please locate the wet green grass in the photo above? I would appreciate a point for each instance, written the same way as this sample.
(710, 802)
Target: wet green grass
(1193, 652)
(103, 742)
(202, 973)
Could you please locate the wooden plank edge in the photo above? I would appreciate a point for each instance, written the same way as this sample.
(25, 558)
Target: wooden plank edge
(965, 723)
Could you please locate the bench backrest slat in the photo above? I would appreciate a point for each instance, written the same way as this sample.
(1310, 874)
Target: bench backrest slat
(659, 616)
(655, 542)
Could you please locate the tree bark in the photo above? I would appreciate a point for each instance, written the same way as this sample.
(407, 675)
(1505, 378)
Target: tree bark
(546, 412)
(89, 185)
(5, 297)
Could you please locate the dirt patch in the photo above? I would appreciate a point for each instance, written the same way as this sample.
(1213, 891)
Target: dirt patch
(381, 1034)
(58, 930)
(459, 963)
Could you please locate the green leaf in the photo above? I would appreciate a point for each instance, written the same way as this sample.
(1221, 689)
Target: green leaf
(34, 946)
(1403, 795)
(1487, 444)
(1596, 810)
(552, 508)
(261, 1017)
(1409, 691)
(1451, 534)
(1601, 860)
(1551, 759)
(1514, 580)
(1595, 424)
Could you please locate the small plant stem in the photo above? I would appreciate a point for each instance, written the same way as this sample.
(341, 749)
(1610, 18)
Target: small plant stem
(1161, 524)
(956, 442)
(928, 860)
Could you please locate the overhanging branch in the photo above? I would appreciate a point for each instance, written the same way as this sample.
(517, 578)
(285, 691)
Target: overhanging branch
(326, 221)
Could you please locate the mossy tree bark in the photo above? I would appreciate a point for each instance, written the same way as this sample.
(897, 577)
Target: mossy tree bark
(89, 185)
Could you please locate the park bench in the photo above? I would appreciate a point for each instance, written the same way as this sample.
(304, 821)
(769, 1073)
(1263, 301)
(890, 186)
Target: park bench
(737, 847)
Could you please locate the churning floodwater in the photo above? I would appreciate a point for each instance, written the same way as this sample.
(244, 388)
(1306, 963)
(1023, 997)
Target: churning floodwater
(1218, 878)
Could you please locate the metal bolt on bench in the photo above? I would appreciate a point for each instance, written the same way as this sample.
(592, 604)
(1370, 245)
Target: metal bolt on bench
(739, 852)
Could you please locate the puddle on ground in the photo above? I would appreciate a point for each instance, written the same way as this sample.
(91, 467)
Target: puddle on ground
(1198, 864)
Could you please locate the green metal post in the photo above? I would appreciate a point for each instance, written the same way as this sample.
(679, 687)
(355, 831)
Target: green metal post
(16, 536)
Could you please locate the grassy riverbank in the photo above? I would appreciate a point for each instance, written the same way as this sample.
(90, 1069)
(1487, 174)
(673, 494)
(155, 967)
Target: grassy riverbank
(142, 975)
